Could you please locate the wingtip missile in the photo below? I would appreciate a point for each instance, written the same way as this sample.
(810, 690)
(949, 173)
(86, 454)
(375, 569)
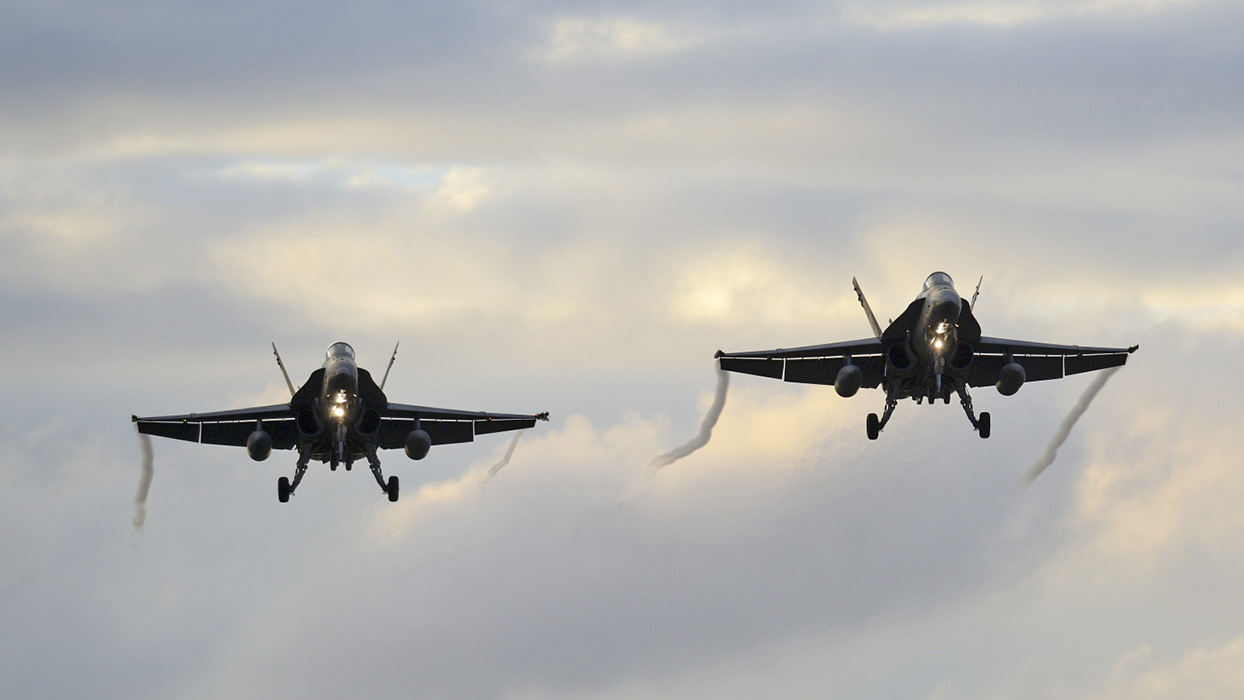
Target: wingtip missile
(542, 416)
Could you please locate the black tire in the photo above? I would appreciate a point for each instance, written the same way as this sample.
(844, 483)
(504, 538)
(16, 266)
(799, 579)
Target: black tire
(982, 425)
(874, 426)
(282, 489)
(392, 489)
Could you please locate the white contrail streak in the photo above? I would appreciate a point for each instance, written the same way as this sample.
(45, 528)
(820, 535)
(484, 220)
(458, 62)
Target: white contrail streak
(144, 482)
(706, 428)
(504, 460)
(1051, 450)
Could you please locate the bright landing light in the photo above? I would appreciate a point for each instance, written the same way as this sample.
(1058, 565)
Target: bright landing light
(339, 411)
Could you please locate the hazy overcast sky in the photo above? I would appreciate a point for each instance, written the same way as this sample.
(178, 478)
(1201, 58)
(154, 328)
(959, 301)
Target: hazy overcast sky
(569, 207)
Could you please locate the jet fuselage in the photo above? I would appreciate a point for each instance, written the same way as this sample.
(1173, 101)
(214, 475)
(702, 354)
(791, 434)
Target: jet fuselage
(339, 400)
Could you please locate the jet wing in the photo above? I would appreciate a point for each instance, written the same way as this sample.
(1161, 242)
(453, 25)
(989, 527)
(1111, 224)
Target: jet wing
(1041, 361)
(811, 364)
(230, 427)
(447, 425)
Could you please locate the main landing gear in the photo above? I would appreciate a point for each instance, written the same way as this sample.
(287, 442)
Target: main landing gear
(391, 488)
(981, 424)
(874, 424)
(285, 487)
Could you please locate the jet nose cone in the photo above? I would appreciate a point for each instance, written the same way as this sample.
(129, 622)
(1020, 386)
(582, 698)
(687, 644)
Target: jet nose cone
(945, 305)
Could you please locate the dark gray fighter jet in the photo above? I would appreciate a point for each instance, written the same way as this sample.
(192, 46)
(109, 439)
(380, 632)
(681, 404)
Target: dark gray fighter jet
(340, 415)
(933, 349)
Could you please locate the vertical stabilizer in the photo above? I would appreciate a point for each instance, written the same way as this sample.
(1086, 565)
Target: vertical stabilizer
(872, 320)
(280, 364)
(393, 359)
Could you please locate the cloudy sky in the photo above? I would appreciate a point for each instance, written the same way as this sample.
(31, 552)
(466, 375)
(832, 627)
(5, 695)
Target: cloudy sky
(569, 207)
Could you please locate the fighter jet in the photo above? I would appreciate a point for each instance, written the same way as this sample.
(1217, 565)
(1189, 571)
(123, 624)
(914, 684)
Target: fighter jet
(933, 349)
(340, 415)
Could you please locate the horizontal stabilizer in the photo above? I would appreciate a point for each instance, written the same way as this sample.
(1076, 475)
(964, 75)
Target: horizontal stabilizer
(825, 370)
(393, 432)
(284, 433)
(1091, 363)
(176, 431)
(758, 367)
(485, 427)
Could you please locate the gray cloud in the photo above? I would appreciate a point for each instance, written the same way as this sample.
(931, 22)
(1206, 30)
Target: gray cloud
(179, 186)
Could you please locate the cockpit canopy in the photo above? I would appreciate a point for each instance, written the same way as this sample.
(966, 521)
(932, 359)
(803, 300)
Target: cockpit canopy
(339, 350)
(938, 279)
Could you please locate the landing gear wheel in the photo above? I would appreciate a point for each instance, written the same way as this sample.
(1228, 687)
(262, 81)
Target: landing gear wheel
(391, 489)
(982, 425)
(874, 426)
(282, 489)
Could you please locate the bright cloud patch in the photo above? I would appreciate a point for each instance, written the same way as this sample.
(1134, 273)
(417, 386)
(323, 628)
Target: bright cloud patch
(577, 37)
(907, 15)
(1210, 671)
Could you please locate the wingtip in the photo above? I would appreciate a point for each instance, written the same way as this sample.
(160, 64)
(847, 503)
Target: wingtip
(133, 418)
(718, 355)
(543, 416)
(1133, 349)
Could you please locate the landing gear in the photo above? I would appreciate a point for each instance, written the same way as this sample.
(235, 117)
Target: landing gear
(390, 488)
(981, 424)
(285, 487)
(891, 401)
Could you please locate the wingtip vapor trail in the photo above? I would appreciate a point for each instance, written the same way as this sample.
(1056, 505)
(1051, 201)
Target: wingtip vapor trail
(706, 427)
(509, 452)
(1069, 422)
(144, 482)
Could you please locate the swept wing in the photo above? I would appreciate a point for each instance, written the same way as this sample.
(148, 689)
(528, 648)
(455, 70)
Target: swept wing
(811, 364)
(1040, 361)
(232, 427)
